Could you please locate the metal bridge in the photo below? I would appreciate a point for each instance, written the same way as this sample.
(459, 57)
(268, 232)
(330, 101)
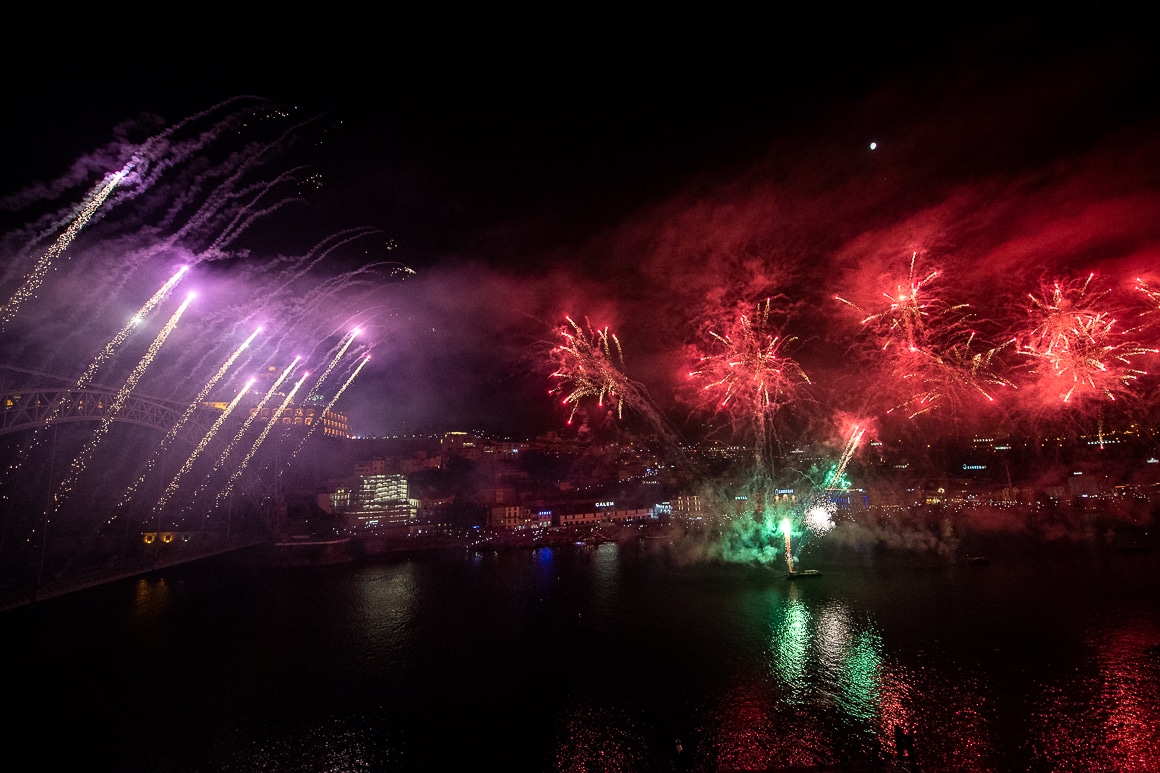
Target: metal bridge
(29, 408)
(26, 408)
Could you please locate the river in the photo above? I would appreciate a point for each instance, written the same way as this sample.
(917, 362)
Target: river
(608, 657)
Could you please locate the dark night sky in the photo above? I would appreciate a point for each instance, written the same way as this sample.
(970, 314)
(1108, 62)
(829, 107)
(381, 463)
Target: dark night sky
(630, 174)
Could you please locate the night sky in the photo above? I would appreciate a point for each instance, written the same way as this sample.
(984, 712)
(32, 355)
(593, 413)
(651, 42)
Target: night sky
(651, 181)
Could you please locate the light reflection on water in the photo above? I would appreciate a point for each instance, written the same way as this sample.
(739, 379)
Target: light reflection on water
(384, 614)
(586, 658)
(1105, 715)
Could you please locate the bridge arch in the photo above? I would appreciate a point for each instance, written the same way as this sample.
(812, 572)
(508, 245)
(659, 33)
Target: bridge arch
(24, 409)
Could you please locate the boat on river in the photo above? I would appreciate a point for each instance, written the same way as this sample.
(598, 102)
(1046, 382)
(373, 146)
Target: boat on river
(805, 573)
(303, 550)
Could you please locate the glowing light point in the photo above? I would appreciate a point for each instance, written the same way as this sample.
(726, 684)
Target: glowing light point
(873, 145)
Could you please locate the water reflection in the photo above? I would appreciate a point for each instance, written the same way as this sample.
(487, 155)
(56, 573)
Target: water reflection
(1106, 717)
(791, 647)
(597, 737)
(150, 595)
(832, 693)
(598, 658)
(859, 693)
(606, 575)
(751, 727)
(384, 613)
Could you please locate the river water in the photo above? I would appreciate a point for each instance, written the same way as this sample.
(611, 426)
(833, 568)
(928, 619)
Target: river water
(608, 657)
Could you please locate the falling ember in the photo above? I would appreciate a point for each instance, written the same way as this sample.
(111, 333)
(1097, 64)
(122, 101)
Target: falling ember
(81, 460)
(273, 422)
(319, 419)
(1152, 294)
(174, 484)
(254, 413)
(590, 364)
(333, 362)
(193, 406)
(34, 278)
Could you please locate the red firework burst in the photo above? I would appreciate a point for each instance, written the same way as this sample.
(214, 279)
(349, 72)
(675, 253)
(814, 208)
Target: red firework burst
(934, 354)
(1075, 345)
(748, 375)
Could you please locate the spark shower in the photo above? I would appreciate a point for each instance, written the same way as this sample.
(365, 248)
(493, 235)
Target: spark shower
(91, 313)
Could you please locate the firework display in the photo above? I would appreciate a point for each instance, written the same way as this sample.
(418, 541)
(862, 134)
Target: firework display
(273, 422)
(166, 206)
(1077, 347)
(36, 276)
(589, 363)
(935, 356)
(78, 464)
(749, 377)
(769, 362)
(329, 406)
(926, 358)
(176, 482)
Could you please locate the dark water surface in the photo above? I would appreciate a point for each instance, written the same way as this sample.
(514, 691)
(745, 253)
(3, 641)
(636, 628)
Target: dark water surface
(594, 658)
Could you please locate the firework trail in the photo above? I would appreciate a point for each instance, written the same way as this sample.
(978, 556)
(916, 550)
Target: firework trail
(209, 206)
(786, 530)
(225, 492)
(79, 463)
(250, 213)
(750, 378)
(112, 346)
(284, 297)
(319, 253)
(1073, 344)
(147, 160)
(193, 406)
(1151, 294)
(592, 365)
(174, 484)
(254, 413)
(35, 277)
(819, 508)
(839, 470)
(333, 362)
(318, 419)
(65, 404)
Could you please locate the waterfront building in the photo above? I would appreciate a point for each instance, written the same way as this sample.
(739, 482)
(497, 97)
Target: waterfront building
(375, 504)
